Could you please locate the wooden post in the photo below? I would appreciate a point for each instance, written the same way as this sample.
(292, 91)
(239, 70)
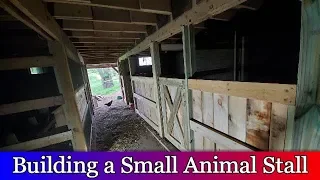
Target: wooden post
(189, 69)
(65, 85)
(156, 70)
(131, 71)
(306, 135)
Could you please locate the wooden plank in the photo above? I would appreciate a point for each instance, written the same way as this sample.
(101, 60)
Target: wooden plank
(281, 93)
(142, 79)
(188, 38)
(198, 13)
(197, 105)
(39, 143)
(149, 121)
(97, 14)
(110, 35)
(208, 145)
(36, 10)
(145, 100)
(171, 81)
(258, 123)
(132, 5)
(207, 109)
(74, 25)
(238, 117)
(221, 112)
(26, 62)
(29, 105)
(156, 71)
(102, 40)
(198, 141)
(278, 126)
(64, 81)
(220, 138)
(290, 128)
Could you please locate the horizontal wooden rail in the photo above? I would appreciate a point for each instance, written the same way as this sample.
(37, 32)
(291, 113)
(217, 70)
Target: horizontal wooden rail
(281, 93)
(142, 79)
(171, 81)
(149, 121)
(220, 138)
(26, 62)
(145, 100)
(29, 105)
(39, 143)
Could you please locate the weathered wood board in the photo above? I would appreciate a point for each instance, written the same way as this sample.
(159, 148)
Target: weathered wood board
(258, 123)
(81, 102)
(144, 88)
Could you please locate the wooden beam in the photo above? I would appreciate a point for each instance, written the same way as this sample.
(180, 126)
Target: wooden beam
(93, 40)
(197, 14)
(76, 25)
(64, 81)
(39, 143)
(26, 62)
(281, 93)
(152, 6)
(29, 105)
(156, 71)
(97, 14)
(145, 100)
(189, 50)
(306, 134)
(36, 10)
(109, 35)
(220, 138)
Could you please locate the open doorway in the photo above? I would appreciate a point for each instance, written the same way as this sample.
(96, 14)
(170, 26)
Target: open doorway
(105, 85)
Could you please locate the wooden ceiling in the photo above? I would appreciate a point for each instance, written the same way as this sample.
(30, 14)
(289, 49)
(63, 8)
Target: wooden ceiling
(105, 29)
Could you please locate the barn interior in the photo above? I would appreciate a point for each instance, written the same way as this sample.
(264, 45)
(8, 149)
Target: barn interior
(204, 75)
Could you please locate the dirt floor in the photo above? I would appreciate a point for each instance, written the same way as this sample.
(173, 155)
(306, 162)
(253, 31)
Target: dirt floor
(119, 128)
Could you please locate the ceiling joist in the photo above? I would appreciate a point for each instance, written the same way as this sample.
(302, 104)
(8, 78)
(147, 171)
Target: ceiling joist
(74, 25)
(151, 6)
(97, 14)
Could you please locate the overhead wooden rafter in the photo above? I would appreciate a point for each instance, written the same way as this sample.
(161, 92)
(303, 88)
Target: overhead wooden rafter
(98, 14)
(74, 25)
(151, 6)
(199, 13)
(107, 35)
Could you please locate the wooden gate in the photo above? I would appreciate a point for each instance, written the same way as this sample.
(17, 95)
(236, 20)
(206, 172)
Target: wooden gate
(173, 108)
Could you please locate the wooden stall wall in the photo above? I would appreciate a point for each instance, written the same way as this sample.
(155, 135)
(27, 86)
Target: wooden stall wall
(252, 113)
(144, 98)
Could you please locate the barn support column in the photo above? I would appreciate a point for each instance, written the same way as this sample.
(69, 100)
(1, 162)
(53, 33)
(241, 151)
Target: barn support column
(156, 71)
(305, 132)
(66, 88)
(189, 69)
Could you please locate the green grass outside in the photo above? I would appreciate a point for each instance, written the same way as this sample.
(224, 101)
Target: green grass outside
(96, 84)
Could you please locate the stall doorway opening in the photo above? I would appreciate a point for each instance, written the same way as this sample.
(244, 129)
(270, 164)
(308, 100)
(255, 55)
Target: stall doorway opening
(105, 86)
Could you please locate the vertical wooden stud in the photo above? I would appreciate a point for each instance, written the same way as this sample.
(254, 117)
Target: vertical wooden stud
(65, 85)
(306, 135)
(189, 68)
(156, 70)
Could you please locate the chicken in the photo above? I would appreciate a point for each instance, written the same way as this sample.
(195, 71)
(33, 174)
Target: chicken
(109, 103)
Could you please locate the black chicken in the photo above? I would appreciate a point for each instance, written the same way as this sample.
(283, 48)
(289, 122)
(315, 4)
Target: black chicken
(109, 103)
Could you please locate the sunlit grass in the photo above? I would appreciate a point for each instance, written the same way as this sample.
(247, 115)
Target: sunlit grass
(96, 83)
